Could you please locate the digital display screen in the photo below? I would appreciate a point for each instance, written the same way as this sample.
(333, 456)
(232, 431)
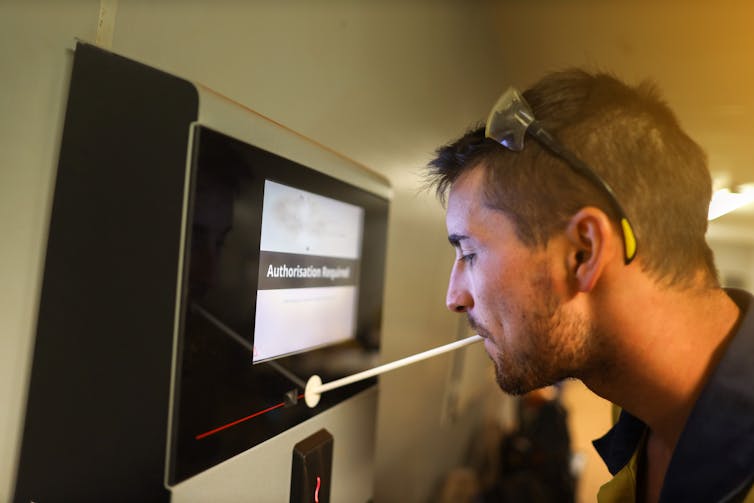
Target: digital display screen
(282, 278)
(310, 251)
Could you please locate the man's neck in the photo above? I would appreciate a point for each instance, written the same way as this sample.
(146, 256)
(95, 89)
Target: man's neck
(662, 354)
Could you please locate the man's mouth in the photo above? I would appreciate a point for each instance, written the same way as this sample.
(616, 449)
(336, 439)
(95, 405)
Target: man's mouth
(478, 328)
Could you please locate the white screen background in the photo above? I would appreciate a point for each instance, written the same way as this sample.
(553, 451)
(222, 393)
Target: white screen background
(292, 320)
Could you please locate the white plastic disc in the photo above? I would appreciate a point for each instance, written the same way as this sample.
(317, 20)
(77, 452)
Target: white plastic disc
(310, 396)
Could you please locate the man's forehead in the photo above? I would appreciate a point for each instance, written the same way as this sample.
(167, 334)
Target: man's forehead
(464, 208)
(467, 193)
(470, 217)
(472, 180)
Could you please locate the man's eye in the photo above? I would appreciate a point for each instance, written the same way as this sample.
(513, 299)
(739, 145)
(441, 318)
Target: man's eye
(468, 258)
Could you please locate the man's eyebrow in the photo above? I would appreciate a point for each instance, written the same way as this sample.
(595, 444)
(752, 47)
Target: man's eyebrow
(455, 239)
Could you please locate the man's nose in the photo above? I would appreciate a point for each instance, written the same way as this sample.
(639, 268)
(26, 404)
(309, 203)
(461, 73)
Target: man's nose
(458, 299)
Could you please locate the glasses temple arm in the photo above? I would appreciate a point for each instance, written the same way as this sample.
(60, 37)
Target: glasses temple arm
(558, 149)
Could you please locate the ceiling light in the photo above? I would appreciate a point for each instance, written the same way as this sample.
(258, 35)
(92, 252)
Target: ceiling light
(724, 200)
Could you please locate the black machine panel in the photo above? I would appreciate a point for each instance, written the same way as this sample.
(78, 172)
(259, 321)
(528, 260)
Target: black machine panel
(97, 407)
(283, 279)
(98, 417)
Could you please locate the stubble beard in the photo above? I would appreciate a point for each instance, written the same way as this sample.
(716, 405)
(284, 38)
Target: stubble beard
(550, 344)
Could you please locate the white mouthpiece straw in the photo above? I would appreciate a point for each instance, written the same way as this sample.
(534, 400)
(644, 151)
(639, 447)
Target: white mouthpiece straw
(314, 386)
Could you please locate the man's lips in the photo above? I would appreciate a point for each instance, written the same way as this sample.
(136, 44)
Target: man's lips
(477, 328)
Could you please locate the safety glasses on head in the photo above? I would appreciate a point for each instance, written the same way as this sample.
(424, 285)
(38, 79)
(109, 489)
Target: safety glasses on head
(511, 119)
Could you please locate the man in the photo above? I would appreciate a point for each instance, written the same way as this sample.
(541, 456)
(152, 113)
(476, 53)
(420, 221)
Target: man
(578, 216)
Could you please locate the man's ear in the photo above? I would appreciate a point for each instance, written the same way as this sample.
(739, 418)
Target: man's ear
(591, 239)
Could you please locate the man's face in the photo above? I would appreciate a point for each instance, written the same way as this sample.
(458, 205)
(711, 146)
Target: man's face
(512, 294)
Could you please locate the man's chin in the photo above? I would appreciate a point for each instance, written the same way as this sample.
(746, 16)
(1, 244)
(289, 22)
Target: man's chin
(515, 384)
(513, 388)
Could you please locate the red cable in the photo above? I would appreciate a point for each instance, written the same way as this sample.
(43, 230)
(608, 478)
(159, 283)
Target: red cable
(237, 421)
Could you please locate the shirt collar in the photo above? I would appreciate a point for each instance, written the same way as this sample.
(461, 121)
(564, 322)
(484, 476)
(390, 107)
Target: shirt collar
(720, 426)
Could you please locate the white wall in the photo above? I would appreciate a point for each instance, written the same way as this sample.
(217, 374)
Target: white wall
(732, 240)
(34, 68)
(382, 82)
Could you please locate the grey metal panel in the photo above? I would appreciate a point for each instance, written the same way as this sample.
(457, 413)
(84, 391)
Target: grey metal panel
(262, 473)
(234, 119)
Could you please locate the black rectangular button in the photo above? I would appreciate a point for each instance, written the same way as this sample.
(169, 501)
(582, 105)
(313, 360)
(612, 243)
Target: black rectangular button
(312, 468)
